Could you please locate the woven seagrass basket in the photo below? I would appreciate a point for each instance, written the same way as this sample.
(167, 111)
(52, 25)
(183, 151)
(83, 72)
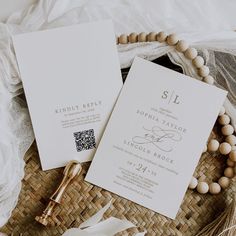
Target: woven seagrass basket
(82, 200)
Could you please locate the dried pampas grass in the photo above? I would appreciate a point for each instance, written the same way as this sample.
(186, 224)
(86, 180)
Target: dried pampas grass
(224, 225)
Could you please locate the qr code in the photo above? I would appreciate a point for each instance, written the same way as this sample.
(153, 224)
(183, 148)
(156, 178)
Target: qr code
(85, 140)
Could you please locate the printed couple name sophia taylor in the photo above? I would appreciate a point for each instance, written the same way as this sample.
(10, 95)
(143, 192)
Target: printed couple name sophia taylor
(166, 124)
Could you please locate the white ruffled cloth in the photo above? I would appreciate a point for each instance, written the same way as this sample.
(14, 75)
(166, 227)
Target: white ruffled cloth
(94, 226)
(204, 25)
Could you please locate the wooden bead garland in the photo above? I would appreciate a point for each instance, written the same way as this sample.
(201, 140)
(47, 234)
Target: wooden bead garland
(231, 139)
(193, 183)
(182, 46)
(190, 53)
(213, 145)
(208, 79)
(133, 38)
(203, 71)
(142, 37)
(214, 188)
(198, 62)
(161, 37)
(224, 119)
(229, 172)
(152, 37)
(227, 130)
(123, 39)
(172, 39)
(202, 187)
(228, 146)
(224, 182)
(225, 148)
(232, 156)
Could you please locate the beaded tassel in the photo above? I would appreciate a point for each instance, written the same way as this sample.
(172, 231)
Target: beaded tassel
(224, 225)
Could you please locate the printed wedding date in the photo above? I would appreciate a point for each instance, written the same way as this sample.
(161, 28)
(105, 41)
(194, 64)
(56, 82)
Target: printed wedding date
(139, 167)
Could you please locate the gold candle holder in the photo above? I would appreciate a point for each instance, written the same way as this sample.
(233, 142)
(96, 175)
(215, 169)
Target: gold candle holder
(72, 169)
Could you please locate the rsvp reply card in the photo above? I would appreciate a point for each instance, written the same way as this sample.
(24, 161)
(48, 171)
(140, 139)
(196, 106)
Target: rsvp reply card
(71, 77)
(155, 136)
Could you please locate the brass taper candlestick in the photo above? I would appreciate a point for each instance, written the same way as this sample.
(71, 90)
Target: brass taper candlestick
(72, 169)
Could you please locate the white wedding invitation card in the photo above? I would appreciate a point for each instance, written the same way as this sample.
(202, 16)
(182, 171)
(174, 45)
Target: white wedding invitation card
(155, 136)
(71, 78)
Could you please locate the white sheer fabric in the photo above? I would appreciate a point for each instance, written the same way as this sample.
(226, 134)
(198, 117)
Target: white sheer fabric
(202, 24)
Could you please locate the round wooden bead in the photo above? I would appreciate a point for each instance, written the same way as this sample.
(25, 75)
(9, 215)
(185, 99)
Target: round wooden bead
(133, 38)
(209, 79)
(231, 139)
(213, 145)
(224, 119)
(152, 36)
(230, 163)
(123, 39)
(161, 37)
(182, 46)
(142, 37)
(117, 39)
(227, 130)
(229, 172)
(190, 53)
(203, 71)
(214, 188)
(224, 182)
(202, 187)
(225, 148)
(172, 39)
(205, 148)
(193, 183)
(232, 155)
(222, 111)
(198, 61)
